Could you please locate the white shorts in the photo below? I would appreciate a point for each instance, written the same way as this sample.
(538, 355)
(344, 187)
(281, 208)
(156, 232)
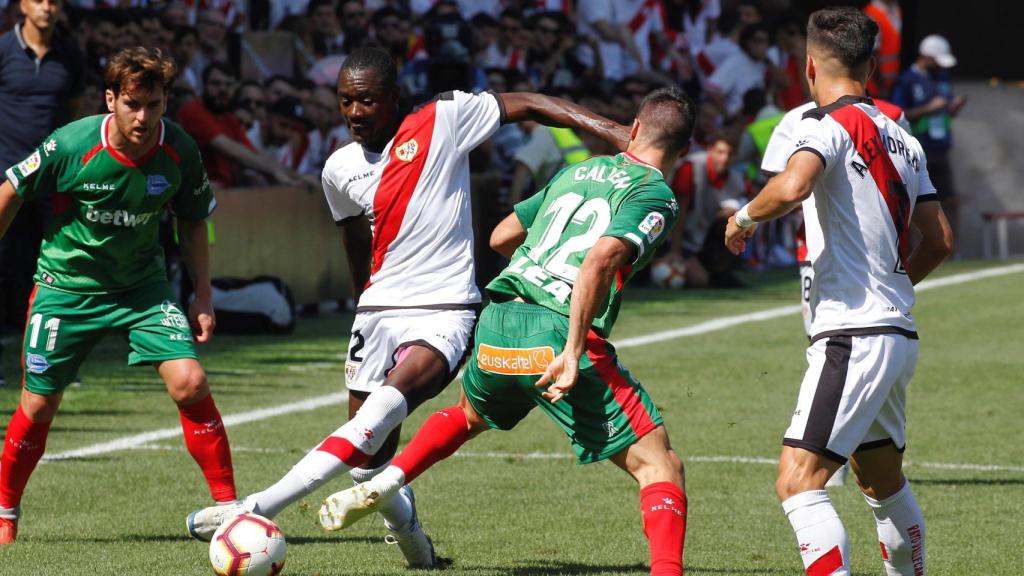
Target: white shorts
(806, 277)
(378, 336)
(853, 395)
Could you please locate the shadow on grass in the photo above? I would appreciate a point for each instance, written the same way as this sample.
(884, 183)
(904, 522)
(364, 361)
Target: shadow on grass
(552, 568)
(330, 539)
(967, 482)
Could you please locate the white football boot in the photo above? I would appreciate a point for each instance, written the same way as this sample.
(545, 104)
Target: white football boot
(343, 509)
(415, 545)
(204, 522)
(839, 478)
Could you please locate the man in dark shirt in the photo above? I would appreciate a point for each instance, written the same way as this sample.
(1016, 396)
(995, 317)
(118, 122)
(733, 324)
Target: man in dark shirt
(925, 92)
(40, 89)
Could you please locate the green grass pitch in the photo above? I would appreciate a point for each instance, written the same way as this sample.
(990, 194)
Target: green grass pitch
(516, 503)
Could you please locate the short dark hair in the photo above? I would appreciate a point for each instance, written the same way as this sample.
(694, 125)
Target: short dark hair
(846, 33)
(221, 67)
(375, 60)
(667, 115)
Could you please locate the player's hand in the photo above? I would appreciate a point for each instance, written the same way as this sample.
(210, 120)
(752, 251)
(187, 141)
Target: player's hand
(202, 319)
(564, 370)
(736, 237)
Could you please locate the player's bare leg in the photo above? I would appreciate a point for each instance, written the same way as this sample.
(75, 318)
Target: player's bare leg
(821, 536)
(205, 436)
(898, 518)
(24, 445)
(659, 471)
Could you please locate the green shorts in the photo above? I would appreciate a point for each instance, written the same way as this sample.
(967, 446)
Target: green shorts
(63, 328)
(607, 410)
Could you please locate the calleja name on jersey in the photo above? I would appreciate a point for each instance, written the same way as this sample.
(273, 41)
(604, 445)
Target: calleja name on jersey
(118, 217)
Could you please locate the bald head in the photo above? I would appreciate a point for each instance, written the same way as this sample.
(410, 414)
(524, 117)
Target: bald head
(841, 41)
(666, 120)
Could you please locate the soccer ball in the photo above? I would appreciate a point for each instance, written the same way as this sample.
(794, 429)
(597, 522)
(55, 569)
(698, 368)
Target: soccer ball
(247, 545)
(668, 273)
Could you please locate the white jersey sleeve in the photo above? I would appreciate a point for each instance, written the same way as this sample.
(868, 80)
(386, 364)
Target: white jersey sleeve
(342, 206)
(780, 145)
(812, 135)
(474, 117)
(926, 190)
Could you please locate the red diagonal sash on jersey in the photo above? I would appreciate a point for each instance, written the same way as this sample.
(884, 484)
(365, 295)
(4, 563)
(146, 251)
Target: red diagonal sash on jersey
(868, 141)
(398, 181)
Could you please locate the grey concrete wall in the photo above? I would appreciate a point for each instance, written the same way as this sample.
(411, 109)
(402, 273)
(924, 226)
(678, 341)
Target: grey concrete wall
(988, 160)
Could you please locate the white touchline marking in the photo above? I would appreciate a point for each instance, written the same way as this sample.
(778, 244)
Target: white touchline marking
(129, 442)
(570, 456)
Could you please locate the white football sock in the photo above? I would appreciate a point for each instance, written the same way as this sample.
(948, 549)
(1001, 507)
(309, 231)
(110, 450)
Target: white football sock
(307, 475)
(900, 532)
(383, 410)
(397, 511)
(824, 544)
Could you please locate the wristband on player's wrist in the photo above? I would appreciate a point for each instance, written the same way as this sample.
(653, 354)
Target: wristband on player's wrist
(743, 219)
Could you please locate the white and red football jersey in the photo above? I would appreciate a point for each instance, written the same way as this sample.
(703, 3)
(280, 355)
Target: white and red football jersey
(416, 196)
(780, 148)
(875, 173)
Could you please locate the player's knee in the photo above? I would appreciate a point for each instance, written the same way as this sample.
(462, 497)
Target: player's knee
(190, 385)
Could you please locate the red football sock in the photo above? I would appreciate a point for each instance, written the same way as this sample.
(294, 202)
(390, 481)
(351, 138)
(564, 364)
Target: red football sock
(439, 437)
(207, 442)
(663, 505)
(23, 447)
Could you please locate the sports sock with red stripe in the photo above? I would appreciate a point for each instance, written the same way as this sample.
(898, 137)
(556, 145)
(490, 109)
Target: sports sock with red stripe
(207, 442)
(346, 448)
(23, 447)
(901, 532)
(824, 544)
(663, 505)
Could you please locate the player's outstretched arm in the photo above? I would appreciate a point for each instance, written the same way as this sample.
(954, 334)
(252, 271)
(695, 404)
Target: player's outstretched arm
(508, 235)
(936, 240)
(195, 253)
(589, 293)
(10, 202)
(779, 197)
(552, 111)
(358, 241)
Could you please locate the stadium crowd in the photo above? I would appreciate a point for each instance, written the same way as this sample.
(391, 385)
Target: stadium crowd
(742, 60)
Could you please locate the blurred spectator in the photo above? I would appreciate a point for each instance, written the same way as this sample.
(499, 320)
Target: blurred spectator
(212, 34)
(791, 82)
(251, 111)
(99, 44)
(328, 133)
(699, 22)
(722, 47)
(551, 61)
(544, 154)
(744, 70)
(605, 21)
(889, 17)
(448, 65)
(925, 92)
(324, 28)
(485, 30)
(41, 85)
(178, 14)
(749, 12)
(278, 87)
(354, 22)
(644, 23)
(392, 30)
(708, 193)
(275, 12)
(509, 51)
(221, 138)
(186, 43)
(287, 132)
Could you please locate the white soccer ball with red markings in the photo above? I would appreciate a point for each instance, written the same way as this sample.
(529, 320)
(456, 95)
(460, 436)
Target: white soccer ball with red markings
(668, 273)
(247, 545)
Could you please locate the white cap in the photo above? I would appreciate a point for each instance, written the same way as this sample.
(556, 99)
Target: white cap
(937, 47)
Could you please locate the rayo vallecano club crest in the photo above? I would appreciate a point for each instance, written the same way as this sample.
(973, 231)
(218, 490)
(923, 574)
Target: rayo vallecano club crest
(407, 151)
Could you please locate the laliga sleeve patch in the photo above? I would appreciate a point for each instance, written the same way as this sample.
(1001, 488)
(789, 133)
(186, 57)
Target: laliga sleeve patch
(30, 164)
(652, 226)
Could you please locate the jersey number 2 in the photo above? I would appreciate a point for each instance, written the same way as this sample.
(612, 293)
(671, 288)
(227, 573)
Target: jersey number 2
(563, 211)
